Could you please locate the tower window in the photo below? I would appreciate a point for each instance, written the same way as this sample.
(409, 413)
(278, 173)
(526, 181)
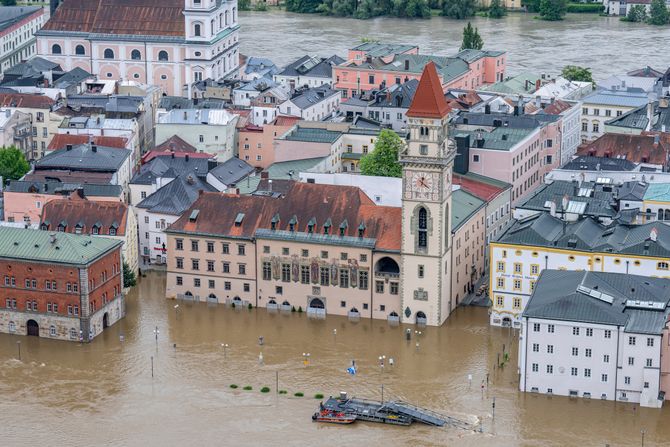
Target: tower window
(423, 149)
(108, 53)
(423, 228)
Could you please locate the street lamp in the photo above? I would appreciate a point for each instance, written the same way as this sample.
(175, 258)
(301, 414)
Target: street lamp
(382, 358)
(305, 358)
(642, 432)
(224, 346)
(156, 332)
(18, 343)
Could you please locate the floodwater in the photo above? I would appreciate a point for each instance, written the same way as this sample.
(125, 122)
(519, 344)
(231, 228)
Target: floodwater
(103, 393)
(605, 44)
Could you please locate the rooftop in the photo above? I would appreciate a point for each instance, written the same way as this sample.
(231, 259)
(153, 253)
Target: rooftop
(9, 15)
(312, 135)
(309, 97)
(232, 171)
(170, 166)
(85, 157)
(341, 211)
(197, 116)
(523, 83)
(635, 148)
(590, 163)
(50, 247)
(587, 198)
(638, 303)
(429, 100)
(60, 188)
(119, 17)
(482, 187)
(177, 196)
(658, 192)
(26, 100)
(616, 98)
(86, 216)
(544, 230)
(463, 206)
(378, 49)
(174, 144)
(60, 141)
(312, 66)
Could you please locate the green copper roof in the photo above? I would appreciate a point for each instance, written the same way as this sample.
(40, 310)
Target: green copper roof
(463, 205)
(659, 192)
(54, 247)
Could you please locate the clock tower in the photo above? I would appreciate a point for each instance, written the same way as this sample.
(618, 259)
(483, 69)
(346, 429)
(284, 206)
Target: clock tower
(426, 206)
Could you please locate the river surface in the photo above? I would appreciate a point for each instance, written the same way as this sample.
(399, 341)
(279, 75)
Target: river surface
(103, 393)
(605, 44)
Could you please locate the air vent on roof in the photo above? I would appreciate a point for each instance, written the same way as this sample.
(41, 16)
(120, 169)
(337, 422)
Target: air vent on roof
(595, 294)
(238, 219)
(194, 215)
(650, 305)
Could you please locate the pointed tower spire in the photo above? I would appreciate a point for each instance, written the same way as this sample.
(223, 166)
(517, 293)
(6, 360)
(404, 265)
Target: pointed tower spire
(429, 101)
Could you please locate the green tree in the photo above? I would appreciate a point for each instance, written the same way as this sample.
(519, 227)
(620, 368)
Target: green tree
(576, 73)
(383, 160)
(13, 164)
(8, 2)
(129, 278)
(658, 13)
(302, 5)
(459, 9)
(637, 13)
(497, 9)
(471, 38)
(244, 5)
(552, 9)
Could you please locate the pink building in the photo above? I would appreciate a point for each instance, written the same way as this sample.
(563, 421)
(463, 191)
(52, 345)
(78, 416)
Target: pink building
(256, 143)
(369, 68)
(171, 44)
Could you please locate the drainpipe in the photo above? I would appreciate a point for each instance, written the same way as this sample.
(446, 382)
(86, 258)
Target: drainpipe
(371, 280)
(627, 264)
(616, 365)
(525, 360)
(256, 267)
(146, 64)
(546, 262)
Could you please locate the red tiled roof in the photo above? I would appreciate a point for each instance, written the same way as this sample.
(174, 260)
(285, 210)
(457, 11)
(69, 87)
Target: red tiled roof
(481, 190)
(557, 107)
(60, 141)
(133, 17)
(429, 101)
(283, 120)
(305, 201)
(26, 100)
(76, 210)
(175, 144)
(634, 148)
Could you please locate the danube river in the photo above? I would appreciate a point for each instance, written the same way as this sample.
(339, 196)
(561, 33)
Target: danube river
(103, 393)
(605, 44)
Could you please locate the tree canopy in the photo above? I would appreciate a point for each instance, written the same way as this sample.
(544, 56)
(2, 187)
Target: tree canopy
(658, 13)
(576, 73)
(13, 164)
(497, 9)
(471, 38)
(459, 9)
(552, 10)
(129, 277)
(383, 160)
(636, 13)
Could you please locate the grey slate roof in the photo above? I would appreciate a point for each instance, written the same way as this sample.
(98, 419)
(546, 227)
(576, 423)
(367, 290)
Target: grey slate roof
(378, 49)
(566, 296)
(168, 166)
(9, 15)
(74, 76)
(312, 66)
(638, 119)
(544, 230)
(616, 98)
(232, 171)
(313, 135)
(307, 98)
(589, 163)
(260, 65)
(82, 158)
(90, 189)
(177, 196)
(504, 120)
(599, 199)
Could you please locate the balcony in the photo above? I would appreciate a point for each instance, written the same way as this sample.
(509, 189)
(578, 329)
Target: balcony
(387, 268)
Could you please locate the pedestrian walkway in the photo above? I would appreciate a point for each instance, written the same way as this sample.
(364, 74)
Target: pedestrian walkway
(471, 299)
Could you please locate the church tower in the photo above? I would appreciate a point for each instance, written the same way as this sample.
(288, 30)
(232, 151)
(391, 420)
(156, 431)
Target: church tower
(426, 205)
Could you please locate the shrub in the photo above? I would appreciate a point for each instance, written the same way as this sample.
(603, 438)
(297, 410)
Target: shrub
(586, 8)
(265, 389)
(233, 305)
(318, 396)
(260, 6)
(283, 392)
(233, 386)
(299, 394)
(292, 308)
(247, 388)
(299, 309)
(250, 306)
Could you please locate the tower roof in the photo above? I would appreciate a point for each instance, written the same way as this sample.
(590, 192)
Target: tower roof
(429, 101)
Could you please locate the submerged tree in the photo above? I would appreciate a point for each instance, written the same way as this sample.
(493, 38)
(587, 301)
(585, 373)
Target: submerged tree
(497, 9)
(471, 38)
(658, 13)
(552, 10)
(459, 9)
(129, 277)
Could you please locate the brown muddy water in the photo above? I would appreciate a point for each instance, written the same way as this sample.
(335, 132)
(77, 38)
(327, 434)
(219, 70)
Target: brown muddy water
(103, 394)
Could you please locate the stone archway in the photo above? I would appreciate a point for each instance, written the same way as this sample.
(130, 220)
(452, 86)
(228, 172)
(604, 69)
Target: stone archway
(32, 328)
(105, 321)
(421, 318)
(316, 303)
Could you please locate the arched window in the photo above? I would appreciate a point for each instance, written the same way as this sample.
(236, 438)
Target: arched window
(667, 214)
(211, 27)
(56, 49)
(660, 214)
(422, 229)
(79, 50)
(225, 15)
(108, 53)
(234, 15)
(162, 55)
(220, 20)
(136, 55)
(196, 30)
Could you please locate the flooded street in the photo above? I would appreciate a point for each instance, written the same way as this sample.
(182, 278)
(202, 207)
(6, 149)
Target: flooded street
(605, 44)
(103, 393)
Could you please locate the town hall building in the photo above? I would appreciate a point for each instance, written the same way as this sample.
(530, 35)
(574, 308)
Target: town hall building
(172, 44)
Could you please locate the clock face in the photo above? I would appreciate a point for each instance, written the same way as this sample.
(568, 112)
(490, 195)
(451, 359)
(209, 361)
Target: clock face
(422, 182)
(422, 185)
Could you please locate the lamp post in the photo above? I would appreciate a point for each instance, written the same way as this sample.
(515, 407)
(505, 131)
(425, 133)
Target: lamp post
(305, 358)
(642, 432)
(382, 359)
(225, 347)
(18, 344)
(156, 332)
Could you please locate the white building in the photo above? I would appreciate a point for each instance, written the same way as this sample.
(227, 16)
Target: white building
(595, 335)
(312, 104)
(208, 130)
(310, 71)
(542, 242)
(385, 191)
(602, 106)
(18, 25)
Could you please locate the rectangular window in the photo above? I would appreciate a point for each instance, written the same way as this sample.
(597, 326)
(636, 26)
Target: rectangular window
(550, 328)
(534, 269)
(587, 372)
(179, 280)
(608, 333)
(194, 244)
(573, 371)
(550, 369)
(500, 301)
(305, 253)
(536, 347)
(631, 361)
(344, 278)
(225, 248)
(500, 282)
(517, 302)
(517, 284)
(550, 349)
(286, 272)
(242, 269)
(393, 288)
(536, 327)
(575, 351)
(210, 266)
(631, 341)
(304, 274)
(324, 276)
(575, 331)
(196, 282)
(267, 271)
(211, 283)
(363, 280)
(195, 264)
(535, 367)
(518, 267)
(227, 285)
(210, 247)
(241, 249)
(606, 358)
(626, 380)
(650, 341)
(179, 244)
(589, 332)
(379, 286)
(500, 266)
(226, 267)
(649, 363)
(588, 352)
(420, 271)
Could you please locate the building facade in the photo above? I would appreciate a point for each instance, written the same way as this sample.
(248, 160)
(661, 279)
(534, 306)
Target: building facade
(182, 42)
(17, 33)
(58, 285)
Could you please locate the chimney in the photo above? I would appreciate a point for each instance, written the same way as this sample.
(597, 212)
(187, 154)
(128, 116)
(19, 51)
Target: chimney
(462, 160)
(406, 64)
(480, 140)
(538, 84)
(657, 140)
(186, 158)
(487, 109)
(552, 208)
(172, 154)
(8, 113)
(663, 102)
(185, 115)
(538, 101)
(68, 147)
(565, 202)
(94, 148)
(650, 114)
(270, 185)
(265, 175)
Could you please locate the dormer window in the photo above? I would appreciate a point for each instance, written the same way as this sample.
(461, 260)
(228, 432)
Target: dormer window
(95, 230)
(45, 226)
(112, 231)
(274, 222)
(343, 228)
(292, 223)
(310, 225)
(238, 219)
(326, 227)
(361, 230)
